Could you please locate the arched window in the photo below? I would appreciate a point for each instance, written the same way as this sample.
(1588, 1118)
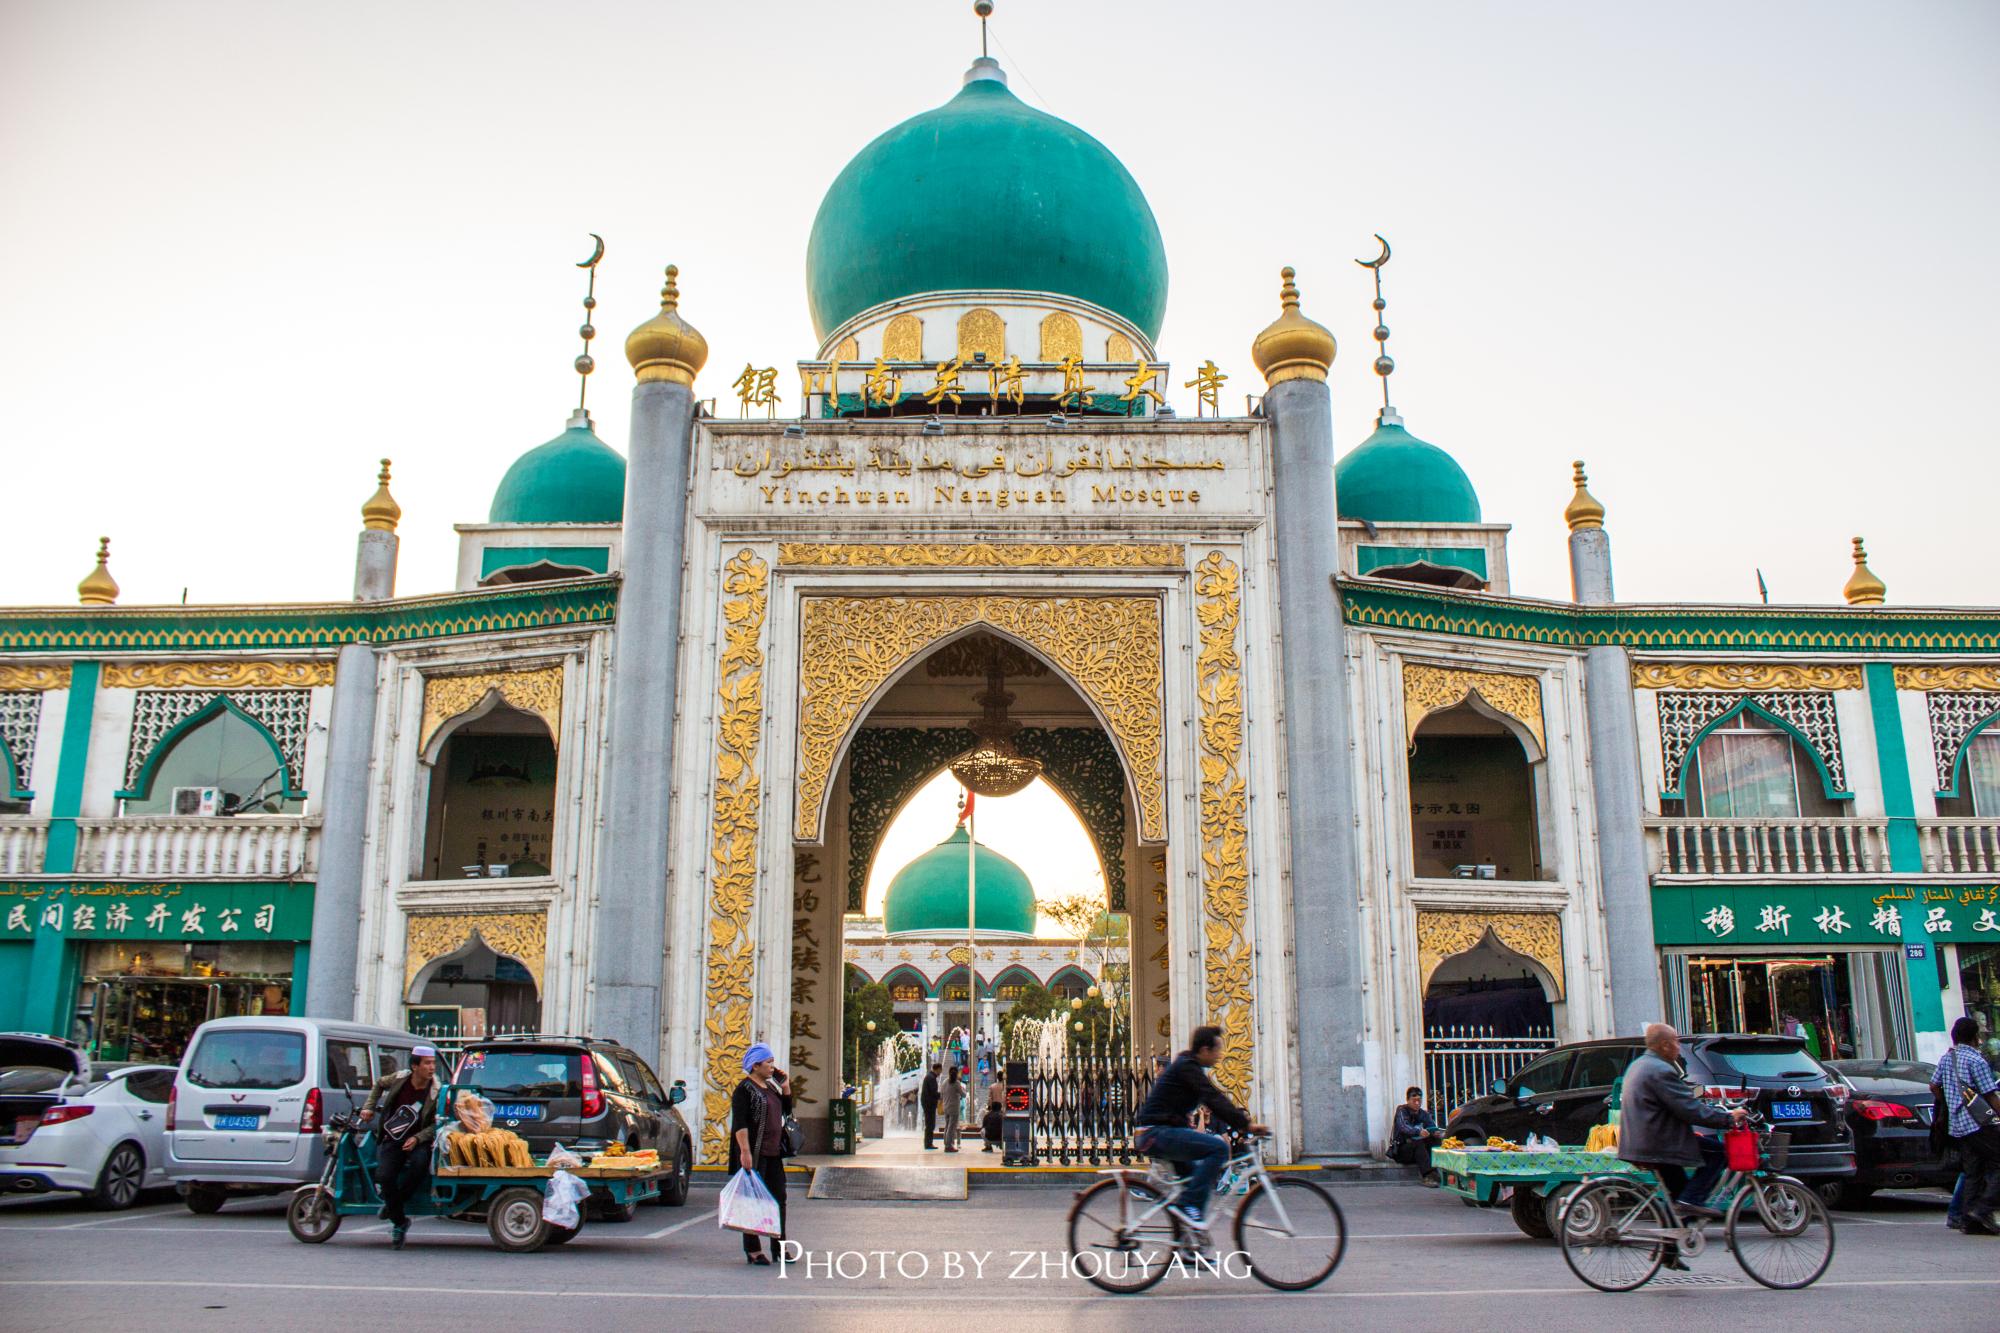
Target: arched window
(1749, 767)
(475, 991)
(492, 800)
(1473, 804)
(1978, 786)
(224, 751)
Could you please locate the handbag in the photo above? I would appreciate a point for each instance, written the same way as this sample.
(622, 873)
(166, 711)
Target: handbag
(793, 1140)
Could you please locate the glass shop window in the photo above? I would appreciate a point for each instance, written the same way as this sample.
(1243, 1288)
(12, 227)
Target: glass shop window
(229, 753)
(1978, 779)
(1748, 768)
(492, 800)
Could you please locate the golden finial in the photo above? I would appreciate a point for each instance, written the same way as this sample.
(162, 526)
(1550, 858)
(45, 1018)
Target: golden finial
(98, 587)
(381, 512)
(1292, 347)
(1383, 365)
(1863, 588)
(585, 363)
(1585, 510)
(666, 348)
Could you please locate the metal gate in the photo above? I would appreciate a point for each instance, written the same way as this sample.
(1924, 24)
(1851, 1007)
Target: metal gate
(1461, 1063)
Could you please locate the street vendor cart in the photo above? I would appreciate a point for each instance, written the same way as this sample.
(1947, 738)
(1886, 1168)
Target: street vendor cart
(1534, 1185)
(508, 1198)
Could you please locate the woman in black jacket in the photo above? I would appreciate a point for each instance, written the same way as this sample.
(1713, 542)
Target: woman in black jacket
(757, 1111)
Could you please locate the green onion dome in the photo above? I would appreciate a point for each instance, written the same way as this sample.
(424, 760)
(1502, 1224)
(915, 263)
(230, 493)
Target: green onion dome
(928, 896)
(1394, 477)
(574, 478)
(985, 193)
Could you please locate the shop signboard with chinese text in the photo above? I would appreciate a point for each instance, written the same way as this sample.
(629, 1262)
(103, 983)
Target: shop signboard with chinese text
(1790, 915)
(156, 911)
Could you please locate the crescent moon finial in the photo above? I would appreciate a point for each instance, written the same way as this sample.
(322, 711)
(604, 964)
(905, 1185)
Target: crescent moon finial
(584, 363)
(596, 254)
(1383, 365)
(1381, 259)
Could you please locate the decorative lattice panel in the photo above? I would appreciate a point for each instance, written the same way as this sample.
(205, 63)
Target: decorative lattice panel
(1955, 715)
(1684, 715)
(20, 719)
(283, 713)
(887, 764)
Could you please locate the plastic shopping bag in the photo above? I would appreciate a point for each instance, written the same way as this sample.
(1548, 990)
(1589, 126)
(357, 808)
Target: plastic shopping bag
(748, 1206)
(562, 1158)
(559, 1204)
(474, 1112)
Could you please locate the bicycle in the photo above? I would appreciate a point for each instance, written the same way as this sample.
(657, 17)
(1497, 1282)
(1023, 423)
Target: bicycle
(1289, 1232)
(1616, 1231)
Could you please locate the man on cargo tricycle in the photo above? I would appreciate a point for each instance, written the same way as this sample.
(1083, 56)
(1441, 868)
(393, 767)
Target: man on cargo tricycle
(403, 1138)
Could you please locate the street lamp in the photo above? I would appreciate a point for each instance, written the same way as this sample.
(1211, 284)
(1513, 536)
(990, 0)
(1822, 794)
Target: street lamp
(1092, 992)
(857, 1053)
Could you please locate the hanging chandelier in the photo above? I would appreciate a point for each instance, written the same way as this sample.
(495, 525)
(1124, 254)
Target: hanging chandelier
(993, 766)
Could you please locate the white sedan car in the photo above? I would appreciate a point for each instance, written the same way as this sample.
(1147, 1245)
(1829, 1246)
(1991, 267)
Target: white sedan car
(91, 1131)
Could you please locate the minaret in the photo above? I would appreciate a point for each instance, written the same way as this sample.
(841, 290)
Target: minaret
(633, 877)
(332, 978)
(1294, 354)
(1616, 787)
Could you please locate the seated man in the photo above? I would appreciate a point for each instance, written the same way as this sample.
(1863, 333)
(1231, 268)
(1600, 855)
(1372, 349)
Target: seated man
(1656, 1126)
(1415, 1133)
(1163, 1124)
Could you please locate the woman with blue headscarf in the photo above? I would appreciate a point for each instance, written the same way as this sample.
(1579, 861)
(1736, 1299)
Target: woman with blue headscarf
(757, 1111)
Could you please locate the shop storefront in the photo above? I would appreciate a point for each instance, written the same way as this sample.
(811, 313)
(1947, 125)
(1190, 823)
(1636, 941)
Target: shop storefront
(1979, 990)
(1831, 964)
(130, 970)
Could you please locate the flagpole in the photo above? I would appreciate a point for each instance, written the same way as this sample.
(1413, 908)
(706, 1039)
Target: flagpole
(971, 953)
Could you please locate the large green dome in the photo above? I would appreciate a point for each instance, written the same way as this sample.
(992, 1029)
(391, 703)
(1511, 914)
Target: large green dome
(985, 193)
(574, 478)
(1394, 477)
(927, 896)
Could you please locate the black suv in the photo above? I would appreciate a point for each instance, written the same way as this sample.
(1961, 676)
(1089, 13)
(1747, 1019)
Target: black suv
(1565, 1092)
(584, 1093)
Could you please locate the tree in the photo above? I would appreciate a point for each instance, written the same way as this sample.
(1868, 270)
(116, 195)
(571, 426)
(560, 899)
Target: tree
(870, 1001)
(1076, 913)
(1035, 1001)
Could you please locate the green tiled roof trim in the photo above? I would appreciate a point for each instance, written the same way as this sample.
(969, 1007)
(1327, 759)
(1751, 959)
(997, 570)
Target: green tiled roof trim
(1733, 628)
(325, 625)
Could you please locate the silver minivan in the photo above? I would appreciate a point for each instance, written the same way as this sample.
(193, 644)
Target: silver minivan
(254, 1094)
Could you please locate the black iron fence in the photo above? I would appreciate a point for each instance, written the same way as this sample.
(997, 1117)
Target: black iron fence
(1462, 1061)
(1082, 1107)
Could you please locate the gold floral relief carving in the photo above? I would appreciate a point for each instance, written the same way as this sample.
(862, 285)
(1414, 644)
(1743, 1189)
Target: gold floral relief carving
(903, 339)
(212, 675)
(1427, 689)
(733, 825)
(977, 555)
(1227, 959)
(536, 690)
(980, 331)
(1061, 336)
(1959, 677)
(1118, 348)
(1745, 676)
(849, 350)
(1538, 935)
(1110, 647)
(523, 936)
(33, 676)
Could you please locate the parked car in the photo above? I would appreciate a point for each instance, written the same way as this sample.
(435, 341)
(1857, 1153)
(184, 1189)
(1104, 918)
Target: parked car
(1562, 1094)
(253, 1096)
(1890, 1113)
(586, 1094)
(68, 1125)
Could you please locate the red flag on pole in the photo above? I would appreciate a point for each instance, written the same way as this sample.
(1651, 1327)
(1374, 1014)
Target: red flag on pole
(965, 807)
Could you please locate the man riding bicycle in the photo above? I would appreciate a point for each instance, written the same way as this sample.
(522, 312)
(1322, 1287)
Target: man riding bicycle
(1656, 1126)
(1164, 1131)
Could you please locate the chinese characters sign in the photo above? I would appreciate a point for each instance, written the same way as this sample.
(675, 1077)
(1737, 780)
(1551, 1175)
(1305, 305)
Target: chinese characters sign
(157, 911)
(1782, 916)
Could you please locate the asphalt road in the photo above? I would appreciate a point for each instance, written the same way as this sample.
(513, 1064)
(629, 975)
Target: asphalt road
(1416, 1260)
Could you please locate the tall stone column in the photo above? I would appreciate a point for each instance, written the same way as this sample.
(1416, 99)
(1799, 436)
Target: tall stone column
(332, 980)
(1294, 355)
(1616, 787)
(629, 953)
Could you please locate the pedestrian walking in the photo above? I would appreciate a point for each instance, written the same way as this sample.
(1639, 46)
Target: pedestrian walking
(928, 1099)
(757, 1111)
(402, 1100)
(1963, 1082)
(952, 1106)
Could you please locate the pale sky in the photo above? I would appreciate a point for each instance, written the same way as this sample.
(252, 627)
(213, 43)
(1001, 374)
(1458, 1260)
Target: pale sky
(1738, 257)
(1034, 828)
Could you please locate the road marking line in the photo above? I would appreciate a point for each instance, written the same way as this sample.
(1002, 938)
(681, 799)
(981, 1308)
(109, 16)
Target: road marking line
(678, 1226)
(157, 1211)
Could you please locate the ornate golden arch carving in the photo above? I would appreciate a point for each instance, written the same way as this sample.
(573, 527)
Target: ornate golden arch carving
(520, 935)
(1110, 648)
(1538, 935)
(1061, 336)
(903, 340)
(981, 330)
(536, 690)
(1428, 689)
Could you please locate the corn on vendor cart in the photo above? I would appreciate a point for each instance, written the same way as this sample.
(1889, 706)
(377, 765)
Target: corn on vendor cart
(1532, 1184)
(507, 1198)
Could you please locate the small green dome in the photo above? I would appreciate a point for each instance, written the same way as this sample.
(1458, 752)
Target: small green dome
(985, 193)
(1394, 477)
(574, 478)
(927, 896)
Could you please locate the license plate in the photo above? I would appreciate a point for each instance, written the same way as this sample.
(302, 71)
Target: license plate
(238, 1121)
(1791, 1110)
(516, 1111)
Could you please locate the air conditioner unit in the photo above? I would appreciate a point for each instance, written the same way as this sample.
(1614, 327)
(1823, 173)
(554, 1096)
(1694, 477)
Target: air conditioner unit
(197, 800)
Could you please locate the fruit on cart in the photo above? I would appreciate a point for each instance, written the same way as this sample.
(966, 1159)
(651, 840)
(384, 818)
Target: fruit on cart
(1603, 1138)
(1452, 1144)
(495, 1147)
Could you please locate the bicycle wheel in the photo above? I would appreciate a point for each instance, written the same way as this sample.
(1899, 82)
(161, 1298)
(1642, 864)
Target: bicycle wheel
(1612, 1234)
(1120, 1240)
(1781, 1233)
(1290, 1233)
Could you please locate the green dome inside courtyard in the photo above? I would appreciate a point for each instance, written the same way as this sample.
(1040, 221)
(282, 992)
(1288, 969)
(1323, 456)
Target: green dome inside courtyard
(928, 896)
(985, 193)
(574, 478)
(1394, 477)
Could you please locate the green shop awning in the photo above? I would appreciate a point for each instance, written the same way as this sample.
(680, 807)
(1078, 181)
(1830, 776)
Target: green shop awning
(1789, 916)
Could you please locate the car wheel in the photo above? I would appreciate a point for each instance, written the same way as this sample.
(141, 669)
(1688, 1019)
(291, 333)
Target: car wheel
(1530, 1212)
(674, 1189)
(1842, 1193)
(119, 1183)
(610, 1210)
(205, 1199)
